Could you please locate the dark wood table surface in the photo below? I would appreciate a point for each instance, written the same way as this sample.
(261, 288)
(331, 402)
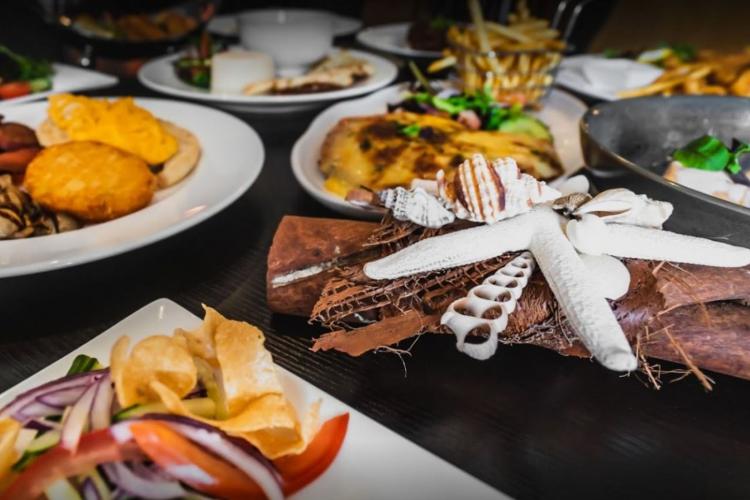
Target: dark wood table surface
(529, 422)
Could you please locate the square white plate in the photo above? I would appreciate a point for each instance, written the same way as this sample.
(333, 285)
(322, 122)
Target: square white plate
(67, 79)
(374, 462)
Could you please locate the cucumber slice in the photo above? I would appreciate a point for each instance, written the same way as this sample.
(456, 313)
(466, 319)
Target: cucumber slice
(44, 442)
(203, 407)
(525, 124)
(62, 490)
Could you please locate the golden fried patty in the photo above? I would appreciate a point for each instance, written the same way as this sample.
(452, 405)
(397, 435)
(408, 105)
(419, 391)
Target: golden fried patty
(90, 180)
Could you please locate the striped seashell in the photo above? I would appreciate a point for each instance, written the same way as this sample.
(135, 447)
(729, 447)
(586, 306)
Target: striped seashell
(482, 192)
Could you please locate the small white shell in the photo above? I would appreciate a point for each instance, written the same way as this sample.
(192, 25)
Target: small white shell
(417, 206)
(625, 207)
(483, 192)
(499, 292)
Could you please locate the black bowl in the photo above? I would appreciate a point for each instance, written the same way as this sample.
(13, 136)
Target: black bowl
(637, 135)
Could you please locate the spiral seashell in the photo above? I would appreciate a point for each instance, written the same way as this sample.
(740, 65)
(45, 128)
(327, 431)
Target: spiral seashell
(482, 192)
(416, 205)
(487, 306)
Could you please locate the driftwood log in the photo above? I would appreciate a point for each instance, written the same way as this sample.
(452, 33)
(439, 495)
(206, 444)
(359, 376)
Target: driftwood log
(694, 315)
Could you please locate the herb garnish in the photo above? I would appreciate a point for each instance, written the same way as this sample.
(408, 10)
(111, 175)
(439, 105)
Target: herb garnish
(411, 130)
(709, 153)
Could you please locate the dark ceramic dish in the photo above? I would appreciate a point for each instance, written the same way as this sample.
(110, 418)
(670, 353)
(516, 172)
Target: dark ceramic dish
(637, 135)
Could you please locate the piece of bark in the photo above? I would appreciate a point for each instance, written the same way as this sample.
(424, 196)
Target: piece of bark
(302, 256)
(387, 332)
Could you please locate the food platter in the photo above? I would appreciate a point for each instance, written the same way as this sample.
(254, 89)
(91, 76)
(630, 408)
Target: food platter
(370, 451)
(226, 25)
(232, 157)
(392, 38)
(159, 75)
(561, 113)
(67, 78)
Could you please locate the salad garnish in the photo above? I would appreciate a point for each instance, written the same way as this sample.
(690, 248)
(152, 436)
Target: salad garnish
(710, 153)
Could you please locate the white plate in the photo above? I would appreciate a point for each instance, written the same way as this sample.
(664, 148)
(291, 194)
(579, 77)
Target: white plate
(561, 113)
(67, 79)
(392, 38)
(226, 25)
(602, 78)
(374, 462)
(231, 160)
(159, 75)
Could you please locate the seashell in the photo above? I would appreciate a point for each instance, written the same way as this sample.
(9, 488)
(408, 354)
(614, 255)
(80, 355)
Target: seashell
(416, 205)
(483, 192)
(570, 203)
(575, 184)
(625, 207)
(488, 305)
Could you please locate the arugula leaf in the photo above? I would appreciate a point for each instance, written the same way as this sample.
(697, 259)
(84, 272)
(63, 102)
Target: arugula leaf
(705, 153)
(410, 130)
(441, 23)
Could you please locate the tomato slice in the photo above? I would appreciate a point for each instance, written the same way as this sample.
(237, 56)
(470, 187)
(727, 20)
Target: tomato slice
(297, 471)
(14, 89)
(94, 448)
(189, 463)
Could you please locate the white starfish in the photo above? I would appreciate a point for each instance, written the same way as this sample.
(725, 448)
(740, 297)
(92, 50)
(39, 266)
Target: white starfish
(581, 295)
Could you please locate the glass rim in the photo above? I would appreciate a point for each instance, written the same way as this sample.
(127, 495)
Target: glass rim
(494, 53)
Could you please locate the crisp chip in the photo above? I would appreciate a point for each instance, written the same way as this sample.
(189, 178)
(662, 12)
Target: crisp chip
(9, 430)
(257, 408)
(154, 359)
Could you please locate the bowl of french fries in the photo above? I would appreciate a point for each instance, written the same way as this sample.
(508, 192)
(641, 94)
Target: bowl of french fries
(516, 61)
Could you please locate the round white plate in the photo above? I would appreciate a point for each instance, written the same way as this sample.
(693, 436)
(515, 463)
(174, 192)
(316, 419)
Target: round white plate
(391, 38)
(561, 113)
(67, 79)
(602, 78)
(232, 157)
(159, 75)
(226, 25)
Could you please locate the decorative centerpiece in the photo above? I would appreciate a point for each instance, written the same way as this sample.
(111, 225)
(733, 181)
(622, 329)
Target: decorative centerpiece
(492, 255)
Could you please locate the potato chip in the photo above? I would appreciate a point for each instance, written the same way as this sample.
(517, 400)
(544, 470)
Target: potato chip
(154, 359)
(256, 408)
(9, 430)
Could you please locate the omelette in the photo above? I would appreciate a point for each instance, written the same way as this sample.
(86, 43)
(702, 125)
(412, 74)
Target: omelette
(389, 150)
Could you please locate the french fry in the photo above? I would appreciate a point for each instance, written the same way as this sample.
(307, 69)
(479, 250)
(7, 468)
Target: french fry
(441, 64)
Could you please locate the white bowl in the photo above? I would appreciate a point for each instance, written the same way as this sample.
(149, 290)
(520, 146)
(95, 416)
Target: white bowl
(293, 39)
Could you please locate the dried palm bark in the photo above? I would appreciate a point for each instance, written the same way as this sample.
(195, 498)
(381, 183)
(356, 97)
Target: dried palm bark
(694, 315)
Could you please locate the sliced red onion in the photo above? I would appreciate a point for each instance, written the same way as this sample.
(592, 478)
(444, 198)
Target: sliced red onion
(236, 451)
(77, 418)
(152, 487)
(35, 409)
(62, 398)
(101, 408)
(13, 409)
(42, 425)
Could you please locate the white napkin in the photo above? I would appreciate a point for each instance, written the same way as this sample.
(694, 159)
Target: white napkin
(606, 76)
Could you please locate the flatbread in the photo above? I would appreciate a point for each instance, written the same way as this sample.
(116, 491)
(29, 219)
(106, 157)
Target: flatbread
(174, 169)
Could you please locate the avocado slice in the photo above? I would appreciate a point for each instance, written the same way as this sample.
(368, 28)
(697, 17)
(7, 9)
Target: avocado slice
(525, 124)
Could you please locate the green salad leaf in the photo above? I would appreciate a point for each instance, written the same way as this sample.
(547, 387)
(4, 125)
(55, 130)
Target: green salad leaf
(27, 67)
(410, 130)
(709, 153)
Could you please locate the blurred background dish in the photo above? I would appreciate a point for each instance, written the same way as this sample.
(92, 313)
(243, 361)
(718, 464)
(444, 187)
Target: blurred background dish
(394, 39)
(228, 24)
(602, 78)
(160, 76)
